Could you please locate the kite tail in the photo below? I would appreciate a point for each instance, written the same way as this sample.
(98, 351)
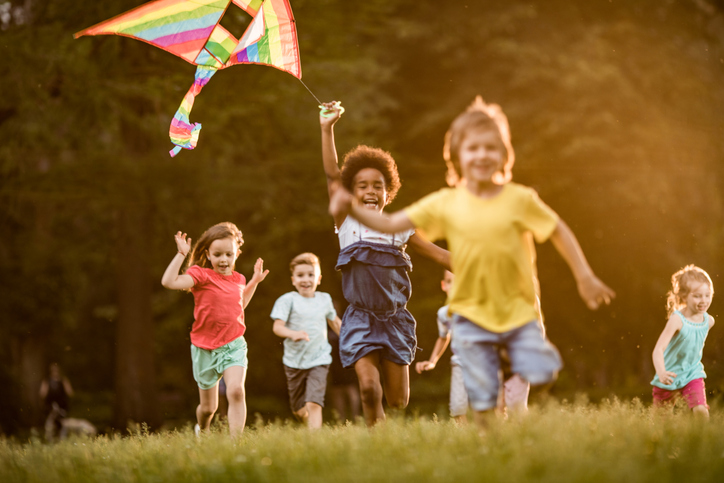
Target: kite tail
(183, 133)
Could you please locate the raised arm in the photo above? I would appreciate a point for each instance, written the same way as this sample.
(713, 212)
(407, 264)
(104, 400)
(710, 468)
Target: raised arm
(259, 275)
(673, 325)
(171, 277)
(437, 352)
(327, 119)
(592, 290)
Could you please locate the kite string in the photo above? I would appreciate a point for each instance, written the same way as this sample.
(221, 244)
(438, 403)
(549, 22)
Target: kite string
(310, 91)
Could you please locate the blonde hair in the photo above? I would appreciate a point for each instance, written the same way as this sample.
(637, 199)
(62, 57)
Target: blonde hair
(482, 116)
(680, 287)
(304, 259)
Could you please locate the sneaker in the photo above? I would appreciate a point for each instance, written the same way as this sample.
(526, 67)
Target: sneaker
(197, 430)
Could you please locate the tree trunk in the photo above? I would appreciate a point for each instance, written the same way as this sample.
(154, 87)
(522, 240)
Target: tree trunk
(136, 399)
(29, 369)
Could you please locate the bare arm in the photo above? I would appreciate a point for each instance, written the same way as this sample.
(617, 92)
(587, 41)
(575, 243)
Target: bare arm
(68, 388)
(259, 275)
(335, 324)
(429, 250)
(280, 329)
(171, 277)
(329, 151)
(592, 290)
(673, 325)
(343, 203)
(437, 352)
(43, 389)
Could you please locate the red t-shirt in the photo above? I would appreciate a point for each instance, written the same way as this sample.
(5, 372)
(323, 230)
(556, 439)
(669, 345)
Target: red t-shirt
(218, 307)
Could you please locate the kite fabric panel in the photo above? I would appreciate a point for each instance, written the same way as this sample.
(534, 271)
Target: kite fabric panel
(190, 29)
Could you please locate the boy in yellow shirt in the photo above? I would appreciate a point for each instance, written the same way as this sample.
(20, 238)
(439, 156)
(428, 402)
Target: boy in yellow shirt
(490, 224)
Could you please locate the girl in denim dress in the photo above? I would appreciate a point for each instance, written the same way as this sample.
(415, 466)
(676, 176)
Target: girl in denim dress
(378, 332)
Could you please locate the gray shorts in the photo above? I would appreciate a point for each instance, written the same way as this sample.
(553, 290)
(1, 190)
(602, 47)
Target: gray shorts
(306, 385)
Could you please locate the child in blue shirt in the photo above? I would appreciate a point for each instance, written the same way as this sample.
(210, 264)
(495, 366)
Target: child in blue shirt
(301, 318)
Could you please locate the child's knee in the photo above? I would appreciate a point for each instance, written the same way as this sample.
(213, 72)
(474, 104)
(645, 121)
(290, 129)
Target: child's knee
(235, 394)
(371, 392)
(700, 410)
(399, 402)
(208, 408)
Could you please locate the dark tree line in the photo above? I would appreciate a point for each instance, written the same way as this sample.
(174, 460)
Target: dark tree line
(615, 113)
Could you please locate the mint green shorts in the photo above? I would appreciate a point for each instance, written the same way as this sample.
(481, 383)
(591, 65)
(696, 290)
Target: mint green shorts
(209, 365)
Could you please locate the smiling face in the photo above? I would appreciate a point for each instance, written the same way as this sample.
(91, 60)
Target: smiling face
(222, 254)
(306, 278)
(482, 155)
(368, 187)
(698, 299)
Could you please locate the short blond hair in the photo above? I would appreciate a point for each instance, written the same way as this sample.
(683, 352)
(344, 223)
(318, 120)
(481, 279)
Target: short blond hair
(478, 116)
(304, 259)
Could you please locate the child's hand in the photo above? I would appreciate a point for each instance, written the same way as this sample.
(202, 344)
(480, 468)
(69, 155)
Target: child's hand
(340, 202)
(667, 377)
(300, 335)
(330, 113)
(183, 244)
(594, 292)
(424, 366)
(259, 272)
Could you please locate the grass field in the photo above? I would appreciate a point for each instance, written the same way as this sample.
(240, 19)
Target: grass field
(613, 441)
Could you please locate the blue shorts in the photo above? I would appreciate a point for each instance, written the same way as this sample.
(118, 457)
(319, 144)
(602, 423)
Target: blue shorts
(531, 355)
(209, 365)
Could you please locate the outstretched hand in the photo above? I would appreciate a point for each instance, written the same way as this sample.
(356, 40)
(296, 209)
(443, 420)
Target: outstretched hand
(183, 244)
(340, 201)
(259, 272)
(594, 292)
(330, 113)
(424, 366)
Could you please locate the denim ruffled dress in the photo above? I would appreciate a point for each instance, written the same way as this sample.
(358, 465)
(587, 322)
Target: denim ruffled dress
(376, 285)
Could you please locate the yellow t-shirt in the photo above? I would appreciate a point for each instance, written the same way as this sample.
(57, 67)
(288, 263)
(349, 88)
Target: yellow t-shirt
(491, 249)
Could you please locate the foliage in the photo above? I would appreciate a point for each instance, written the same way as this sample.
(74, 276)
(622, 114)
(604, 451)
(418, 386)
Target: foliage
(615, 113)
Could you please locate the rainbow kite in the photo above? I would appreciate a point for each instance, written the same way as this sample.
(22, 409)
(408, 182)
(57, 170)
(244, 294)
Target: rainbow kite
(190, 29)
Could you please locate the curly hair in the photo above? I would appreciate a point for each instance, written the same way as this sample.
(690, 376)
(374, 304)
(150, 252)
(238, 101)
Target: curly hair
(363, 157)
(304, 259)
(481, 116)
(216, 232)
(680, 287)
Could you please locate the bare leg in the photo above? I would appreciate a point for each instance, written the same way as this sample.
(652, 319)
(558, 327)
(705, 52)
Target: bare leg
(302, 415)
(370, 385)
(235, 377)
(396, 380)
(314, 415)
(461, 420)
(701, 411)
(516, 391)
(483, 418)
(209, 402)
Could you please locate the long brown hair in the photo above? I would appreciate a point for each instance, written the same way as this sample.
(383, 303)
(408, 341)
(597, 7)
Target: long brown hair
(482, 116)
(680, 286)
(216, 232)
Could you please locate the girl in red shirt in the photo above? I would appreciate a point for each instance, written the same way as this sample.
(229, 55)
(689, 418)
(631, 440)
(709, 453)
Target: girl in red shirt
(220, 294)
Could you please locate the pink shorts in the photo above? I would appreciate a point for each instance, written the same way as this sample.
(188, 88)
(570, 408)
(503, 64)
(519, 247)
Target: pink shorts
(693, 393)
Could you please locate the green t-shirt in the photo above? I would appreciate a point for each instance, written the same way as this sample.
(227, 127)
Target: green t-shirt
(492, 250)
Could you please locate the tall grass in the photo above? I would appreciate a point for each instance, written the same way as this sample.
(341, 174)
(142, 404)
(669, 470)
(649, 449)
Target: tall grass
(614, 441)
